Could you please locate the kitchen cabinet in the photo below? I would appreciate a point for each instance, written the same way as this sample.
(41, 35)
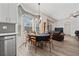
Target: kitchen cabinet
(4, 12)
(13, 12)
(0, 12)
(8, 12)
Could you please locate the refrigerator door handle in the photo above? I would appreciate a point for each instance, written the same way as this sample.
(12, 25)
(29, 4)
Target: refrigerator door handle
(7, 39)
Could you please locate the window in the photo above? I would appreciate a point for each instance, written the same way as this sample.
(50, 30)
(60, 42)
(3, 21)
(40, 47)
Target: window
(37, 27)
(27, 24)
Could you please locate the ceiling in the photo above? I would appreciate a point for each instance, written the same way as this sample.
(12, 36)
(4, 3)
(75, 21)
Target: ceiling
(58, 11)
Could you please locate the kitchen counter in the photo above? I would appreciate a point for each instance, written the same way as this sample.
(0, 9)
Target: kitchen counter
(5, 34)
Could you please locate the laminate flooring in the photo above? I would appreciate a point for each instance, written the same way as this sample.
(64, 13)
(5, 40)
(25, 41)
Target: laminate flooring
(68, 47)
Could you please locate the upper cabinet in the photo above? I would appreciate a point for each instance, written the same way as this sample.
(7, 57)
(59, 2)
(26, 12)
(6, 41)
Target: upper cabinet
(8, 12)
(0, 12)
(13, 12)
(4, 12)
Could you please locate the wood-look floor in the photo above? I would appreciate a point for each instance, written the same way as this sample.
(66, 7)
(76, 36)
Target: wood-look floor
(69, 47)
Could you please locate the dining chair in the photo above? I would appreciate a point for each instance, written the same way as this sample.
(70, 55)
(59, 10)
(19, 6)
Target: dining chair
(49, 41)
(32, 40)
(44, 40)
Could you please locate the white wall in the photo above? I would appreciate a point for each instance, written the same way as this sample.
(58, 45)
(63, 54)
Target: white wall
(69, 25)
(74, 25)
(59, 23)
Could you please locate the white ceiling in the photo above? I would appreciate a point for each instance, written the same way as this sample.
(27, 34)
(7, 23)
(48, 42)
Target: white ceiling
(56, 10)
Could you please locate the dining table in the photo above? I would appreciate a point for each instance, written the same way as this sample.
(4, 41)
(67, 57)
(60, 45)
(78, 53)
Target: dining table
(40, 39)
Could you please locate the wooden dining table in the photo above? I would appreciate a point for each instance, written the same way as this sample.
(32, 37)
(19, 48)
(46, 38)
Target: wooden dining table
(40, 39)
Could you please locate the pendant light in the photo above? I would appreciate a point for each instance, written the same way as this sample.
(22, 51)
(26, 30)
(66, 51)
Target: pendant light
(39, 16)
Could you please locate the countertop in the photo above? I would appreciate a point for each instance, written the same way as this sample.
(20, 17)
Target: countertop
(4, 34)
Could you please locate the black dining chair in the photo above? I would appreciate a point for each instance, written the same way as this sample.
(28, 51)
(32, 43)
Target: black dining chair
(44, 40)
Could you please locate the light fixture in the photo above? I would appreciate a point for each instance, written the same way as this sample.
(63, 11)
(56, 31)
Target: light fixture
(38, 17)
(39, 10)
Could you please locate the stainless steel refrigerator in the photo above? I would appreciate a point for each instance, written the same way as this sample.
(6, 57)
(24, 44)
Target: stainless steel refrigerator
(7, 39)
